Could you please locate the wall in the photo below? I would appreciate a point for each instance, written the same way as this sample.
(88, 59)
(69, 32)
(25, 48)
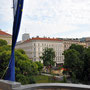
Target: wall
(7, 38)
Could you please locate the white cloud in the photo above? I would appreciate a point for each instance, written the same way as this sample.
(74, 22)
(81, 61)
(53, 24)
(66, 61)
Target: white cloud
(6, 10)
(47, 17)
(60, 10)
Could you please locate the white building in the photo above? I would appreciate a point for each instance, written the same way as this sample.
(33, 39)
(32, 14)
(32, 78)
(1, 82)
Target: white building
(34, 48)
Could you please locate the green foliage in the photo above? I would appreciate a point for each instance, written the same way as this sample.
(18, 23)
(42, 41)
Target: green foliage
(64, 79)
(5, 48)
(41, 79)
(48, 56)
(24, 67)
(77, 61)
(78, 48)
(72, 60)
(40, 66)
(24, 79)
(73, 63)
(3, 42)
(22, 51)
(46, 79)
(4, 61)
(86, 71)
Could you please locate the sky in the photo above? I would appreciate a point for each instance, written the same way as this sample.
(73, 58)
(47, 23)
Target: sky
(50, 18)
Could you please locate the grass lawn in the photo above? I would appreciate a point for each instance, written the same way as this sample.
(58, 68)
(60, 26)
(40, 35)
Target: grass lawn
(45, 79)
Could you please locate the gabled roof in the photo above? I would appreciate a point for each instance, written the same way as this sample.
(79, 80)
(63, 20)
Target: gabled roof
(4, 33)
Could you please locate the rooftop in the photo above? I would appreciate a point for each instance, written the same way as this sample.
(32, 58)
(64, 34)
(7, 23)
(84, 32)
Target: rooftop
(39, 38)
(4, 33)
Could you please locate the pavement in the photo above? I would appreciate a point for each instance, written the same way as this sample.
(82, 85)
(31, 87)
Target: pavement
(58, 77)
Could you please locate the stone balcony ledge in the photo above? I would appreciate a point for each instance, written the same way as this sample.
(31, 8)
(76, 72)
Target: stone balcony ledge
(7, 85)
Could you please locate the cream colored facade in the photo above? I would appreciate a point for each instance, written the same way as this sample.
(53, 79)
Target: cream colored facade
(68, 43)
(34, 48)
(87, 41)
(88, 44)
(7, 38)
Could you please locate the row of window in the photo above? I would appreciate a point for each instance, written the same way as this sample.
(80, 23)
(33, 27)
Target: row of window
(44, 44)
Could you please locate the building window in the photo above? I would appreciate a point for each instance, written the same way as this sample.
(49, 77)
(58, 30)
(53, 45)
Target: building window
(34, 44)
(34, 54)
(34, 49)
(38, 44)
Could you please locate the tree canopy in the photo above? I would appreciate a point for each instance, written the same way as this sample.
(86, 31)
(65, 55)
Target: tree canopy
(40, 66)
(25, 68)
(48, 56)
(86, 68)
(77, 62)
(3, 42)
(78, 48)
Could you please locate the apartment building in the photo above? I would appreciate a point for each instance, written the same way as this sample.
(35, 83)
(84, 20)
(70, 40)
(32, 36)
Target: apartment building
(34, 48)
(68, 43)
(86, 40)
(6, 36)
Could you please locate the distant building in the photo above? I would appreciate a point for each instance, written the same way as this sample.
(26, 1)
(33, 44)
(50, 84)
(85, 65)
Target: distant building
(69, 41)
(25, 36)
(6, 36)
(86, 40)
(34, 48)
(82, 40)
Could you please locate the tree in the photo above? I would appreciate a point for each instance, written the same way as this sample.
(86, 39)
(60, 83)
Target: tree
(3, 42)
(74, 62)
(40, 66)
(78, 48)
(48, 56)
(22, 51)
(5, 48)
(86, 70)
(24, 67)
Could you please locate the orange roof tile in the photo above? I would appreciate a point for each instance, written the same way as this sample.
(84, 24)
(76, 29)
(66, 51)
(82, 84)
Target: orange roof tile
(51, 39)
(4, 33)
(38, 38)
